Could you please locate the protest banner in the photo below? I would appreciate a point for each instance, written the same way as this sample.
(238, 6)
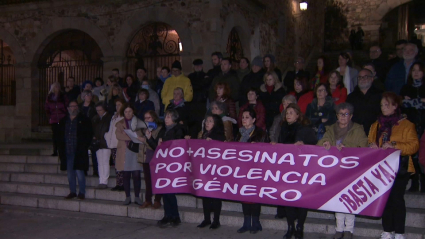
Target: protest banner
(353, 180)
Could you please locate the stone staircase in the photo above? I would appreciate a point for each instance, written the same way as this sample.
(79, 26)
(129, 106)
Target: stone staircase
(29, 177)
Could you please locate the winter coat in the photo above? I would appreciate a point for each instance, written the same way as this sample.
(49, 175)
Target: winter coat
(288, 82)
(91, 112)
(143, 148)
(260, 110)
(404, 135)
(292, 133)
(396, 77)
(100, 127)
(303, 100)
(122, 137)
(230, 105)
(258, 136)
(213, 135)
(367, 107)
(200, 86)
(272, 101)
(413, 92)
(153, 96)
(315, 113)
(84, 138)
(228, 128)
(110, 104)
(211, 74)
(177, 132)
(56, 109)
(110, 136)
(143, 107)
(356, 136)
(274, 130)
(339, 95)
(242, 73)
(252, 80)
(182, 108)
(131, 91)
(231, 79)
(172, 83)
(72, 94)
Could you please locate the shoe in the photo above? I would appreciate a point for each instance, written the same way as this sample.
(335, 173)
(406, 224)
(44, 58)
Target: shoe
(71, 196)
(120, 189)
(163, 222)
(215, 225)
(246, 224)
(348, 235)
(399, 236)
(175, 222)
(115, 188)
(338, 235)
(414, 187)
(156, 205)
(127, 201)
(256, 225)
(299, 232)
(146, 204)
(290, 232)
(81, 196)
(138, 201)
(387, 235)
(204, 224)
(102, 186)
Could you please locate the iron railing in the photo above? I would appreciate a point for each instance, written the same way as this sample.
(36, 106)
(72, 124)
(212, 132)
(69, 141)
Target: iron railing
(7, 78)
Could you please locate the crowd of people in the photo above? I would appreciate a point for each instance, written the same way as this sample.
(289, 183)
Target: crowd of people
(379, 105)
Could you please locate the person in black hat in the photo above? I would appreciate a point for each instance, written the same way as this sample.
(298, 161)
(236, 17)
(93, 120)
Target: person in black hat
(200, 93)
(177, 79)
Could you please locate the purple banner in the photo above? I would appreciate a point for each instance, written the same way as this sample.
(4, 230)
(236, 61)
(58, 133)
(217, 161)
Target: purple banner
(353, 180)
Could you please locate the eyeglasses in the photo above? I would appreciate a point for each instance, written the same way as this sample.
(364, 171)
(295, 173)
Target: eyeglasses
(343, 114)
(364, 77)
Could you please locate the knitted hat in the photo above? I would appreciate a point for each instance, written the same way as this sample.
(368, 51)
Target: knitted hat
(272, 57)
(198, 62)
(257, 61)
(177, 65)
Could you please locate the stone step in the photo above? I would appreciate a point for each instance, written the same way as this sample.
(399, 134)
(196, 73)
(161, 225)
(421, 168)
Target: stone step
(34, 159)
(415, 217)
(188, 215)
(44, 168)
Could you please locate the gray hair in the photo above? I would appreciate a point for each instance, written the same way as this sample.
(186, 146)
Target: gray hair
(290, 98)
(220, 105)
(173, 113)
(344, 106)
(181, 90)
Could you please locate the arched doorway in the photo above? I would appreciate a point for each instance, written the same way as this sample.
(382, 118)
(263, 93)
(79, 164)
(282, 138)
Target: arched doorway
(7, 75)
(234, 48)
(155, 45)
(72, 53)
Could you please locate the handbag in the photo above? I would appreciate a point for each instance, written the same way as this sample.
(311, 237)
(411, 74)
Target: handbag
(134, 147)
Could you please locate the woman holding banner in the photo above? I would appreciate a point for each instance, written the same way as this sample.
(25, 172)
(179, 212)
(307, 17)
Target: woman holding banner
(393, 130)
(249, 133)
(295, 130)
(212, 129)
(344, 133)
(172, 130)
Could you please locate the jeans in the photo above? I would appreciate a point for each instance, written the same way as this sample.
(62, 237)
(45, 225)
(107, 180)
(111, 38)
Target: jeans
(394, 216)
(293, 213)
(103, 156)
(171, 209)
(75, 173)
(148, 182)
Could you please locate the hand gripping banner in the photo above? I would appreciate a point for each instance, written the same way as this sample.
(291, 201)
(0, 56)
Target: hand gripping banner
(353, 180)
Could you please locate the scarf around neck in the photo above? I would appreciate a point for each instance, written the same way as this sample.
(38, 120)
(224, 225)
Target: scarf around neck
(386, 124)
(246, 133)
(417, 83)
(341, 133)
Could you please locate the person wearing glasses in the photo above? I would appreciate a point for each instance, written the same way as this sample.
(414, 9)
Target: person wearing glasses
(344, 133)
(366, 100)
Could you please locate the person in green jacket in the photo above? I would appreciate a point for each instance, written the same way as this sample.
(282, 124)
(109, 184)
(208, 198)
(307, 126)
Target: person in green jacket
(344, 133)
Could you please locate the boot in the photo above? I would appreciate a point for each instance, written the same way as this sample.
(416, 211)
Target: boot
(414, 187)
(256, 225)
(299, 233)
(422, 180)
(290, 232)
(246, 224)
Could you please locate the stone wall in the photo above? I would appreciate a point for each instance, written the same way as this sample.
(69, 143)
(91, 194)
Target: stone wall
(203, 27)
(369, 14)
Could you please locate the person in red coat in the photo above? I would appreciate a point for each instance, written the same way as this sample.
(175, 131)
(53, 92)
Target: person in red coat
(302, 93)
(223, 94)
(55, 108)
(339, 92)
(257, 106)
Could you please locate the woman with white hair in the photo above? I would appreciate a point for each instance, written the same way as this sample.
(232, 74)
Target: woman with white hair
(55, 108)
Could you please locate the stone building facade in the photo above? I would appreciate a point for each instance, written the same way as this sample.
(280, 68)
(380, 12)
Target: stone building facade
(369, 15)
(203, 26)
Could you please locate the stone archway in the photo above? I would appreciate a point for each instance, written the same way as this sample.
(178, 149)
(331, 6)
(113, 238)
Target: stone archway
(14, 45)
(385, 7)
(238, 22)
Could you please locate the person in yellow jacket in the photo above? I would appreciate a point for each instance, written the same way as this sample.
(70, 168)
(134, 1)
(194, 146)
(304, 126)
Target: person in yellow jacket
(393, 130)
(176, 80)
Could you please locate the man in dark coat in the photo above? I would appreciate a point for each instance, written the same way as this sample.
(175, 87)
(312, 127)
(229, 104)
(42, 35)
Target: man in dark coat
(198, 107)
(100, 124)
(216, 58)
(375, 55)
(76, 134)
(299, 71)
(228, 76)
(399, 46)
(366, 100)
(72, 91)
(254, 79)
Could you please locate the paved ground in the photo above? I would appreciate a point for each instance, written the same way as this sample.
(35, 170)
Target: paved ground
(22, 223)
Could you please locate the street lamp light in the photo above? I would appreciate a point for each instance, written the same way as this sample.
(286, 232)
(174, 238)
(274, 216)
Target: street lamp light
(303, 6)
